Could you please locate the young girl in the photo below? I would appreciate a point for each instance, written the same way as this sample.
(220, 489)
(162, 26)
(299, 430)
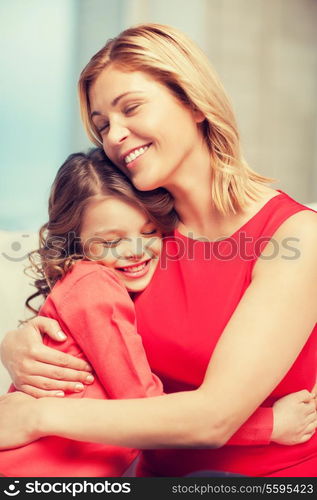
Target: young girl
(103, 240)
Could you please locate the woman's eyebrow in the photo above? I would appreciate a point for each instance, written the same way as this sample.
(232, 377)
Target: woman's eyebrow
(117, 99)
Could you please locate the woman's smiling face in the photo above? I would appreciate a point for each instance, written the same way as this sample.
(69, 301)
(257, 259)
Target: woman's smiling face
(146, 131)
(120, 236)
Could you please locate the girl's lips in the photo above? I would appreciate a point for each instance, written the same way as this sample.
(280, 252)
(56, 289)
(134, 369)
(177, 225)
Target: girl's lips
(137, 271)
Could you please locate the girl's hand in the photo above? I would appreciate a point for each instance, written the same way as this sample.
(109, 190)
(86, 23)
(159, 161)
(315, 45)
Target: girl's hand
(39, 370)
(17, 420)
(295, 418)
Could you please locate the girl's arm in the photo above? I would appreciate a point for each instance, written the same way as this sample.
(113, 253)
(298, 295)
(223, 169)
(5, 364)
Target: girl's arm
(276, 314)
(291, 420)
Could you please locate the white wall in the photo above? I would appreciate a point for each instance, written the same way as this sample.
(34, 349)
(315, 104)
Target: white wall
(264, 50)
(36, 99)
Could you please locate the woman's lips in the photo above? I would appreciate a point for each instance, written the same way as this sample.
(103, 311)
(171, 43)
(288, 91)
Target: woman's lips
(130, 159)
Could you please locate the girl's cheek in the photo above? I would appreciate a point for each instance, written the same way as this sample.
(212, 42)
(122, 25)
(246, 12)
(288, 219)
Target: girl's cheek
(158, 246)
(160, 243)
(98, 252)
(153, 247)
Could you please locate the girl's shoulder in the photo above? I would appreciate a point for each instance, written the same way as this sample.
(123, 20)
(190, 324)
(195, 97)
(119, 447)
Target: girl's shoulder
(84, 271)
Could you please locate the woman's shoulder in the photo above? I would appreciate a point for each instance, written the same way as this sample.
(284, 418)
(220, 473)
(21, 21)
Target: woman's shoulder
(296, 217)
(300, 227)
(278, 211)
(294, 242)
(304, 220)
(291, 228)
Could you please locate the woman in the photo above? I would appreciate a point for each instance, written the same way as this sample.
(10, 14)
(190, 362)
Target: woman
(153, 102)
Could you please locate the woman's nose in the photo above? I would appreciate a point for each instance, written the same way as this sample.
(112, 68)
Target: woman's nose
(117, 133)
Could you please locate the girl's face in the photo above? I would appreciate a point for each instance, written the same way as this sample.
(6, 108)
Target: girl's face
(122, 238)
(145, 130)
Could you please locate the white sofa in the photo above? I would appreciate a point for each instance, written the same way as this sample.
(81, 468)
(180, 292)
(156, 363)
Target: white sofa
(16, 286)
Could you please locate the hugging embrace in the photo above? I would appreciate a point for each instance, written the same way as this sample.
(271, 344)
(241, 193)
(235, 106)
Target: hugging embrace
(202, 358)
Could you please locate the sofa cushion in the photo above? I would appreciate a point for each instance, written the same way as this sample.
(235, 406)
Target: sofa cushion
(15, 285)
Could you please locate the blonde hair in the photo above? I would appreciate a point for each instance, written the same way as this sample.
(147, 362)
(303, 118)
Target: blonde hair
(175, 61)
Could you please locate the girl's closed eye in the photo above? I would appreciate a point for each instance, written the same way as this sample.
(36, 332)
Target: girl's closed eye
(150, 232)
(111, 243)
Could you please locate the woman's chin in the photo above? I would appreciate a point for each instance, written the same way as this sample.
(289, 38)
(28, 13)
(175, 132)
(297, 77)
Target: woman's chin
(145, 184)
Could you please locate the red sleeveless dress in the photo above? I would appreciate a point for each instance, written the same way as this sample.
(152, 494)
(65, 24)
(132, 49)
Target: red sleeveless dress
(181, 316)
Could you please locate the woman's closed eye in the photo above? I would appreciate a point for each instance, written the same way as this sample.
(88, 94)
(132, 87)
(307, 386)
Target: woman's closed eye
(127, 110)
(103, 128)
(130, 108)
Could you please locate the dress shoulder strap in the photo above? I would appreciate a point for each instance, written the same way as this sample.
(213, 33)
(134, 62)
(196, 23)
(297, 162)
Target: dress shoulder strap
(273, 214)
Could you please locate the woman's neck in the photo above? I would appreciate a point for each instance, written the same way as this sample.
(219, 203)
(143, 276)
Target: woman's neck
(191, 187)
(199, 218)
(193, 203)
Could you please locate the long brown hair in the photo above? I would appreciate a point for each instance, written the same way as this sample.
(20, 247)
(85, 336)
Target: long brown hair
(81, 177)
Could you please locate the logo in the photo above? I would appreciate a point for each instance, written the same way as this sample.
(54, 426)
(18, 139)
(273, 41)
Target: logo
(12, 490)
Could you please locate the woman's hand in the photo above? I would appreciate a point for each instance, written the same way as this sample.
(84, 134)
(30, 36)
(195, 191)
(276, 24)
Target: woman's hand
(17, 420)
(39, 370)
(295, 418)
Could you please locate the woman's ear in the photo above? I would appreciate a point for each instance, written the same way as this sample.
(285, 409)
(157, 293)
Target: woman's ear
(198, 115)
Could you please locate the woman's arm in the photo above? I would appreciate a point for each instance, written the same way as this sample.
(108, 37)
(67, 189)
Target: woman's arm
(104, 325)
(276, 314)
(288, 422)
(258, 429)
(39, 370)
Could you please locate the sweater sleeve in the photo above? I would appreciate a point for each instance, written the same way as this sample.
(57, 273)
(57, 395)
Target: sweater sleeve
(257, 430)
(99, 314)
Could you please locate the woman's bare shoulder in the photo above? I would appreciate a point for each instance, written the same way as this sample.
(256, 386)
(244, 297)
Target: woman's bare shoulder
(297, 233)
(301, 224)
